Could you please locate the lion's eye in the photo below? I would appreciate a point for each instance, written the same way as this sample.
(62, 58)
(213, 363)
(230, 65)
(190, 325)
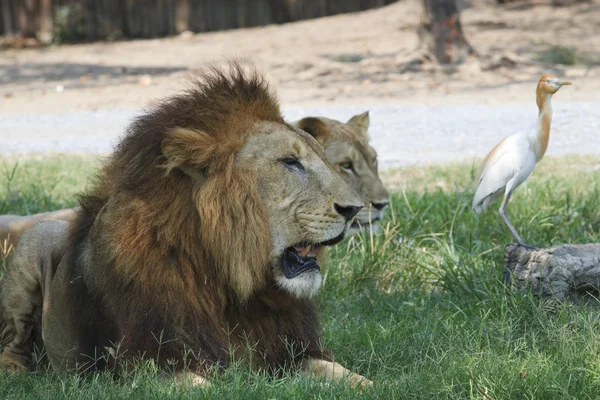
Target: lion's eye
(347, 166)
(292, 162)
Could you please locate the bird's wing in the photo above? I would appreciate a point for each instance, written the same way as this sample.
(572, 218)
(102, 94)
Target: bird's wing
(505, 146)
(500, 166)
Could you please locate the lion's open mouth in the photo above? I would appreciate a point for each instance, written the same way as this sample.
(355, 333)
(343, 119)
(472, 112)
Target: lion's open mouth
(303, 257)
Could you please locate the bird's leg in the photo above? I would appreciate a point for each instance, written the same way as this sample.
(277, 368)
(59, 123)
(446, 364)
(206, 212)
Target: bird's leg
(512, 229)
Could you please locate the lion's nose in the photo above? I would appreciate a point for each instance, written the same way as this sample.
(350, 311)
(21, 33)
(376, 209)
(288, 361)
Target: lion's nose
(347, 212)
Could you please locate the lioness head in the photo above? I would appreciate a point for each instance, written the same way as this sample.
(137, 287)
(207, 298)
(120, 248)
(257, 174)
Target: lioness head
(266, 197)
(348, 151)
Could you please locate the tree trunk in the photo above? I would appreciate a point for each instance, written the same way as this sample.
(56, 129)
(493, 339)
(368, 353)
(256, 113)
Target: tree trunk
(182, 15)
(45, 22)
(28, 12)
(7, 24)
(35, 19)
(566, 272)
(441, 32)
(280, 11)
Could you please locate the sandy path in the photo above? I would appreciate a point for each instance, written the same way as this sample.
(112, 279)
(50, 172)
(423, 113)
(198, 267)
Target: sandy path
(346, 59)
(79, 98)
(402, 135)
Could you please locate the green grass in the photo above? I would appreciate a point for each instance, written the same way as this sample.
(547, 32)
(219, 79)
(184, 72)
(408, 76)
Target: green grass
(567, 56)
(420, 308)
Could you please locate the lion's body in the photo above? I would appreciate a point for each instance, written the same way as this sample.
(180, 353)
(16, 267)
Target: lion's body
(25, 287)
(12, 227)
(139, 321)
(178, 250)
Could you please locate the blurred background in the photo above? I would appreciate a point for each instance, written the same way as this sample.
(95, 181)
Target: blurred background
(444, 79)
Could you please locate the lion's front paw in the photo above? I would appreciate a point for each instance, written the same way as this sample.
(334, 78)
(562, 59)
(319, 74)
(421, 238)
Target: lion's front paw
(360, 382)
(190, 379)
(11, 363)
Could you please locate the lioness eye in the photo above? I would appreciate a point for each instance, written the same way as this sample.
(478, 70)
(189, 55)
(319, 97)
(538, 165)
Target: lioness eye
(347, 165)
(292, 162)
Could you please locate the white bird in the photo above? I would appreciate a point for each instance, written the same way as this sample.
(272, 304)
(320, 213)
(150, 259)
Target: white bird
(513, 159)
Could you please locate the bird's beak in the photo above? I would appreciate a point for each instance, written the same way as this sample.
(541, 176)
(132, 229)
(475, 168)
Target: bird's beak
(563, 83)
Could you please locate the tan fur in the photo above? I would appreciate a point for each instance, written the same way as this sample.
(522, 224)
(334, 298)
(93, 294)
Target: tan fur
(181, 237)
(349, 142)
(23, 288)
(334, 371)
(12, 227)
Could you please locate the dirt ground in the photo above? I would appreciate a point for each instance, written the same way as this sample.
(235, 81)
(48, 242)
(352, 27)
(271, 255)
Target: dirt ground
(366, 57)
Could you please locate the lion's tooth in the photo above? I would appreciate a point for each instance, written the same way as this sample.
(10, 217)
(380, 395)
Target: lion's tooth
(305, 252)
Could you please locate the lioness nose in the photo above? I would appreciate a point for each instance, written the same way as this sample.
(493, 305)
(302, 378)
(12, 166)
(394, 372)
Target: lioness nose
(347, 212)
(381, 205)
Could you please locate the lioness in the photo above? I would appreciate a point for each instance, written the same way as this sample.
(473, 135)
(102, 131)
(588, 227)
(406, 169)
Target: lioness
(197, 244)
(348, 151)
(346, 147)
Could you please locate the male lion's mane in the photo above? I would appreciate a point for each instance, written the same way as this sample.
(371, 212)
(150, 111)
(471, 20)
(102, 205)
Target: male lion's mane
(172, 242)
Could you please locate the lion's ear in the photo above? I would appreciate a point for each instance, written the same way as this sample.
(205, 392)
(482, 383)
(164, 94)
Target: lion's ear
(315, 127)
(361, 121)
(188, 150)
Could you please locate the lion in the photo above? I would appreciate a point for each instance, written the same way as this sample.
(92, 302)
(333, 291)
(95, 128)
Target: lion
(346, 147)
(12, 227)
(198, 243)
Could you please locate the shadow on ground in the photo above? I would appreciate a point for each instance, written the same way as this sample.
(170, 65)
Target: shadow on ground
(87, 72)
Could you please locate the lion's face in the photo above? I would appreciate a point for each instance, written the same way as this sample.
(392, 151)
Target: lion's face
(308, 205)
(347, 149)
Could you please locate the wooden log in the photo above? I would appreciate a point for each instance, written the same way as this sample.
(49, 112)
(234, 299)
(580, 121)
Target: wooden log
(565, 272)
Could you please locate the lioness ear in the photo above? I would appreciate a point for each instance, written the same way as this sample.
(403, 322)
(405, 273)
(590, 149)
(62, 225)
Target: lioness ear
(315, 127)
(188, 150)
(361, 121)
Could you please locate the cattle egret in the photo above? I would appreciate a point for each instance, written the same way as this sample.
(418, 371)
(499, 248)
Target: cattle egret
(513, 159)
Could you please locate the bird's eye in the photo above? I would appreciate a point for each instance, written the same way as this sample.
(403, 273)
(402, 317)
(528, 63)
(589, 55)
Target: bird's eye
(347, 165)
(292, 162)
(375, 163)
(547, 80)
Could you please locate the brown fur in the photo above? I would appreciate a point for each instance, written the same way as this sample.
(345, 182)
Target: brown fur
(150, 229)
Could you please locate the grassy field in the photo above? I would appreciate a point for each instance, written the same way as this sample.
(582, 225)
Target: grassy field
(420, 308)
